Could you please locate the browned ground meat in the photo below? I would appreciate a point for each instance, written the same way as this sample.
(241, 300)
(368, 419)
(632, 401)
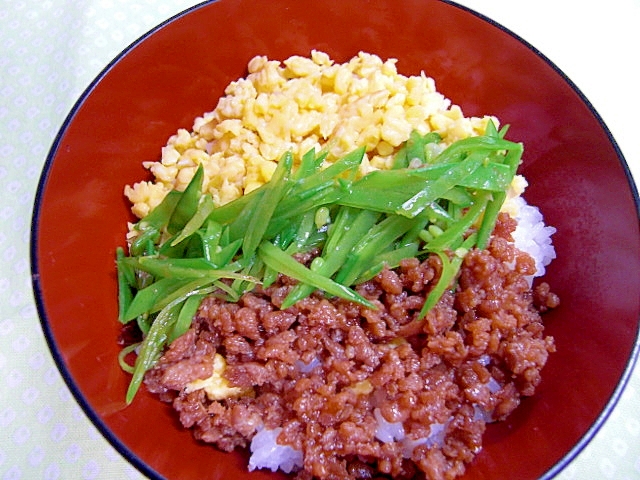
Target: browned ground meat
(470, 360)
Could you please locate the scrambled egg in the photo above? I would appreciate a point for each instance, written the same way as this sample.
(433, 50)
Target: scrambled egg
(216, 386)
(516, 189)
(296, 105)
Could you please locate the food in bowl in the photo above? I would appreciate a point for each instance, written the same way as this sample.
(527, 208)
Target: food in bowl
(335, 268)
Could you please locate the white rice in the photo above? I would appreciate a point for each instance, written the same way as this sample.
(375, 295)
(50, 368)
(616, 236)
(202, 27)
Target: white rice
(266, 452)
(437, 433)
(533, 236)
(387, 431)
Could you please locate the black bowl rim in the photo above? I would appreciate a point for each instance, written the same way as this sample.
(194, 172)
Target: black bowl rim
(131, 457)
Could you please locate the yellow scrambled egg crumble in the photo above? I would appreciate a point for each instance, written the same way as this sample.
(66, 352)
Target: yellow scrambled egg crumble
(296, 105)
(216, 386)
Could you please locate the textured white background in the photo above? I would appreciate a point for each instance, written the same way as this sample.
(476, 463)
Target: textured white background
(50, 50)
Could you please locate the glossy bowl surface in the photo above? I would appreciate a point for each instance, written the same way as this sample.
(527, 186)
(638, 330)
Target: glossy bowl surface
(178, 71)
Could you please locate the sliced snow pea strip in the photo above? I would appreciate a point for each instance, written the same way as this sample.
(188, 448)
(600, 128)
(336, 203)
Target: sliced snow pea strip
(126, 279)
(489, 220)
(387, 190)
(280, 261)
(224, 256)
(400, 160)
(159, 217)
(144, 243)
(434, 190)
(203, 210)
(349, 163)
(210, 239)
(185, 317)
(182, 268)
(413, 234)
(260, 217)
(454, 234)
(227, 213)
(512, 160)
(380, 237)
(302, 233)
(391, 259)
(468, 145)
(123, 354)
(350, 227)
(151, 347)
(294, 206)
(449, 271)
(415, 146)
(310, 163)
(459, 196)
(283, 242)
(145, 299)
(160, 332)
(240, 222)
(188, 203)
(491, 131)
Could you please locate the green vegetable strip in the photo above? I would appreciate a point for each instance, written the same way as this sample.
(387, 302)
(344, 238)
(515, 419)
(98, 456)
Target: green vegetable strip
(203, 210)
(187, 312)
(260, 217)
(122, 356)
(437, 188)
(145, 242)
(415, 148)
(489, 220)
(210, 239)
(350, 227)
(152, 346)
(146, 298)
(227, 213)
(490, 130)
(160, 215)
(309, 164)
(159, 333)
(144, 322)
(240, 223)
(391, 259)
(455, 232)
(294, 206)
(412, 236)
(224, 255)
(381, 235)
(303, 233)
(465, 146)
(180, 267)
(349, 163)
(387, 190)
(125, 280)
(512, 160)
(447, 275)
(449, 271)
(287, 265)
(458, 196)
(187, 204)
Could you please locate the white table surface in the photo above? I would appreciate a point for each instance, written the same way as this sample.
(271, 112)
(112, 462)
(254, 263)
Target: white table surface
(50, 50)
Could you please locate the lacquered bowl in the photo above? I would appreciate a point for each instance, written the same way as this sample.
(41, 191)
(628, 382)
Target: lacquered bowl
(576, 172)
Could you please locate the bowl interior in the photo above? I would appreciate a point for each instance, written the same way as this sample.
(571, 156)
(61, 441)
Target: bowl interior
(576, 174)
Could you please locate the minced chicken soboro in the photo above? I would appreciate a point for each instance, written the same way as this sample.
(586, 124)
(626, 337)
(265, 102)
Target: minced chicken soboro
(329, 389)
(363, 392)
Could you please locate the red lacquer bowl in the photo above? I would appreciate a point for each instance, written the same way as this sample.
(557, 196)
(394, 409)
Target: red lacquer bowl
(178, 71)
